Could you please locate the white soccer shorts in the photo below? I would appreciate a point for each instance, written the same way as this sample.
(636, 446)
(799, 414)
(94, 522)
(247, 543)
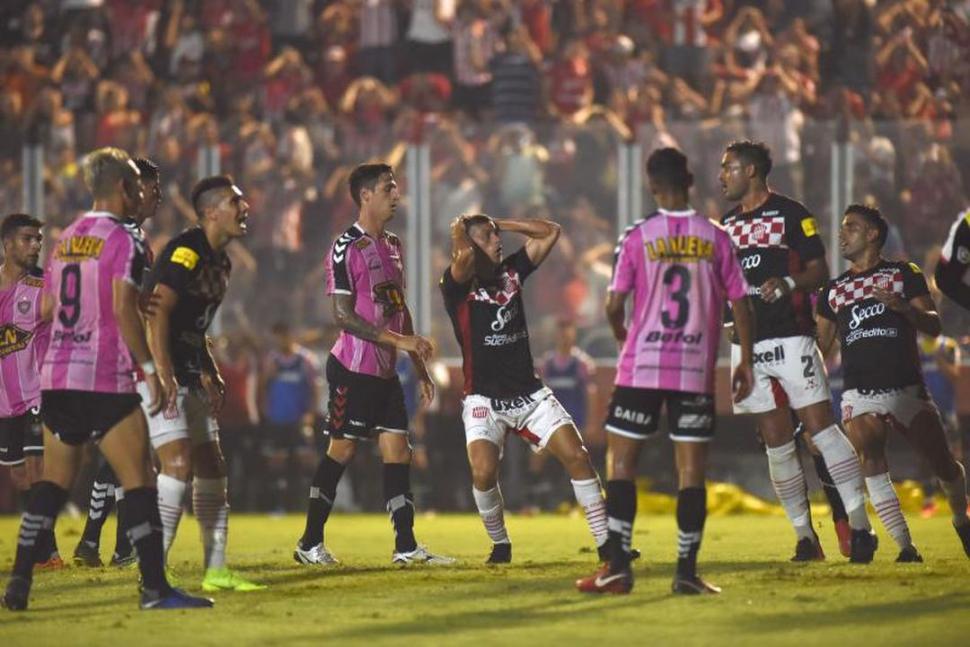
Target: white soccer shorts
(902, 404)
(191, 420)
(534, 418)
(787, 371)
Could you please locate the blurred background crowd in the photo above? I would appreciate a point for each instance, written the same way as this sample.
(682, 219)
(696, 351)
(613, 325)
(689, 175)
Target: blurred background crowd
(523, 107)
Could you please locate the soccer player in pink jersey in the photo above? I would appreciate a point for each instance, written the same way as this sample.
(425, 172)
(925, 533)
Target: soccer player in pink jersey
(680, 268)
(87, 388)
(23, 339)
(783, 260)
(365, 277)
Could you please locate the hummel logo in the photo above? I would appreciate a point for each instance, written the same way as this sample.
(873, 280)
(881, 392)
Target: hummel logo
(340, 247)
(609, 579)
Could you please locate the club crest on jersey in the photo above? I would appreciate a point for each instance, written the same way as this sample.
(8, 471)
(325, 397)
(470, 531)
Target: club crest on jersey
(479, 413)
(13, 339)
(759, 233)
(509, 285)
(23, 306)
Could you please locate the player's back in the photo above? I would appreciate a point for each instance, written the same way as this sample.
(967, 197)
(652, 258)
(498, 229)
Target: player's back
(680, 268)
(87, 351)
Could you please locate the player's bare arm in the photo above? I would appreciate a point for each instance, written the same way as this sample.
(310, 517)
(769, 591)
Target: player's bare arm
(616, 313)
(462, 252)
(211, 379)
(814, 276)
(424, 377)
(826, 331)
(125, 306)
(743, 379)
(919, 311)
(159, 322)
(542, 235)
(47, 307)
(348, 319)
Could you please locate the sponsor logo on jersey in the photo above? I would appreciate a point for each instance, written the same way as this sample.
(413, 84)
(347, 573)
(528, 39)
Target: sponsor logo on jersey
(751, 262)
(861, 313)
(79, 248)
(186, 257)
(683, 248)
(809, 227)
(13, 339)
(636, 417)
(655, 336)
(362, 243)
(505, 340)
(774, 356)
(504, 315)
(71, 336)
(33, 282)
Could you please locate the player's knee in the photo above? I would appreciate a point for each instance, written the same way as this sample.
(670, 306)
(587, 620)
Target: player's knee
(484, 473)
(18, 474)
(342, 451)
(177, 466)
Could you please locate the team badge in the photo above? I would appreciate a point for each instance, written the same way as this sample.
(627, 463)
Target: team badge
(480, 413)
(23, 307)
(963, 255)
(759, 233)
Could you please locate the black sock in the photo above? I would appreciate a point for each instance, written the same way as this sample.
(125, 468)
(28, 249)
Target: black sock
(37, 523)
(322, 493)
(102, 501)
(123, 545)
(831, 492)
(144, 527)
(621, 510)
(400, 505)
(691, 514)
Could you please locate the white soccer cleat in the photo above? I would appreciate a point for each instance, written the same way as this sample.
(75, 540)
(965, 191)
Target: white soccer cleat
(315, 555)
(421, 555)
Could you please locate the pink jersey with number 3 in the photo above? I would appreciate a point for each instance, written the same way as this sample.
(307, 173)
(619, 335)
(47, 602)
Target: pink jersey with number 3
(680, 267)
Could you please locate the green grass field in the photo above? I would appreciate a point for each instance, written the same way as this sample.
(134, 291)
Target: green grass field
(766, 599)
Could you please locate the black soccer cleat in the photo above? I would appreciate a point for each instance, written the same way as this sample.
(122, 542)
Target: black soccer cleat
(603, 553)
(15, 598)
(909, 555)
(963, 532)
(501, 554)
(693, 585)
(808, 549)
(86, 554)
(864, 545)
(124, 560)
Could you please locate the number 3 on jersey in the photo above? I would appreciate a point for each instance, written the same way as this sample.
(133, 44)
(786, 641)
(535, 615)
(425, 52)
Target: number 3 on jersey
(677, 309)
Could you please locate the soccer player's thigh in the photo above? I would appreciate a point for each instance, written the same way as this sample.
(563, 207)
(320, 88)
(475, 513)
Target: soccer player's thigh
(550, 427)
(803, 378)
(767, 399)
(207, 459)
(867, 419)
(691, 418)
(169, 434)
(12, 451)
(926, 432)
(633, 416)
(484, 440)
(392, 422)
(126, 446)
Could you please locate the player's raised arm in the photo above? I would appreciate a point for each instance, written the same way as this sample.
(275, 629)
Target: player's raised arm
(541, 234)
(462, 252)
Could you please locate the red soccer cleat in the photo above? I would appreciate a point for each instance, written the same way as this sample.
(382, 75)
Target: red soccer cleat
(603, 581)
(55, 563)
(844, 532)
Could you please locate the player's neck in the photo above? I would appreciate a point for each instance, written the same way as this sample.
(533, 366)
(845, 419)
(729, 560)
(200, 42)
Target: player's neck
(675, 202)
(754, 198)
(371, 225)
(10, 273)
(217, 239)
(866, 261)
(114, 206)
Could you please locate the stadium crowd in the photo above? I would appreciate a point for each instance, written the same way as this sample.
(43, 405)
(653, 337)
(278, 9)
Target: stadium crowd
(522, 104)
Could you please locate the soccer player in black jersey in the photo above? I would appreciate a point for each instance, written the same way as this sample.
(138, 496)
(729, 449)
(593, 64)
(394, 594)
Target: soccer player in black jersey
(783, 260)
(953, 270)
(874, 310)
(187, 284)
(483, 295)
(106, 489)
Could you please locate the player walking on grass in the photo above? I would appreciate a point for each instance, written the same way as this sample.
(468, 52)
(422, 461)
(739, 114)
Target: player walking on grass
(681, 269)
(365, 276)
(783, 260)
(23, 339)
(187, 284)
(87, 390)
(875, 309)
(105, 489)
(483, 295)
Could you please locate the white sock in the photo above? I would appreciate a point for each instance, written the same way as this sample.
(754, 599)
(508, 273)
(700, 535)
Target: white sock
(788, 480)
(212, 511)
(171, 493)
(843, 464)
(589, 495)
(491, 507)
(956, 496)
(884, 500)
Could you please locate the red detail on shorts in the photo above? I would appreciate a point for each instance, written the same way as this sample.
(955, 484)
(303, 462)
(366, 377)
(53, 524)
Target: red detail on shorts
(338, 407)
(480, 412)
(781, 398)
(527, 435)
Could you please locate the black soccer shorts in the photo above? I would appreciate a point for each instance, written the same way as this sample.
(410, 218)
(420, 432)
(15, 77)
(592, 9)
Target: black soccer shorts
(76, 417)
(361, 405)
(21, 436)
(635, 413)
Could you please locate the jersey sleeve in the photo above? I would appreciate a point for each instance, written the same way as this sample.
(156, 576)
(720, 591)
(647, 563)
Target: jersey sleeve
(953, 270)
(624, 265)
(914, 282)
(822, 306)
(128, 258)
(802, 233)
(729, 269)
(339, 280)
(178, 264)
(522, 264)
(451, 290)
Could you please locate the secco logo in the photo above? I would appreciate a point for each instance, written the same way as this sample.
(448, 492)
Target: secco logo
(504, 315)
(675, 337)
(860, 314)
(751, 262)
